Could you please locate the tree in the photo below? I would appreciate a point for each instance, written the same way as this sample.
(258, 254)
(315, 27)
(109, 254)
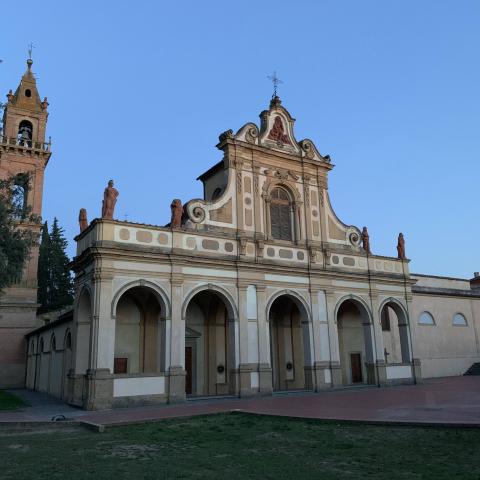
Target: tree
(16, 237)
(43, 267)
(55, 285)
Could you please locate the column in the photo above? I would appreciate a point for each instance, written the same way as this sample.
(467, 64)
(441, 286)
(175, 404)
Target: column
(244, 367)
(264, 367)
(335, 367)
(99, 376)
(176, 366)
(321, 344)
(379, 372)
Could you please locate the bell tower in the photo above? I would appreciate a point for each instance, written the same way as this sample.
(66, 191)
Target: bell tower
(24, 154)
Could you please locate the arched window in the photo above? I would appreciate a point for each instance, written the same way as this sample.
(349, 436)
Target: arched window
(19, 195)
(460, 320)
(426, 318)
(25, 133)
(42, 346)
(281, 213)
(68, 341)
(53, 345)
(217, 193)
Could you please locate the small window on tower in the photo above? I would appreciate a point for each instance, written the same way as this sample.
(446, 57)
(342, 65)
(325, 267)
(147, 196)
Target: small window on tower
(28, 93)
(19, 195)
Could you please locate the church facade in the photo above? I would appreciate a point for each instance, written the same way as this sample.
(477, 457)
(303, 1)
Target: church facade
(257, 287)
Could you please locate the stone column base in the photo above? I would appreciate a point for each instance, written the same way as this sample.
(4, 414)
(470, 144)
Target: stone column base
(99, 389)
(336, 374)
(377, 373)
(320, 372)
(265, 380)
(245, 370)
(417, 370)
(75, 388)
(176, 385)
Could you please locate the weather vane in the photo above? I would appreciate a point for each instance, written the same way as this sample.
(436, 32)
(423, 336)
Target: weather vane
(276, 81)
(31, 46)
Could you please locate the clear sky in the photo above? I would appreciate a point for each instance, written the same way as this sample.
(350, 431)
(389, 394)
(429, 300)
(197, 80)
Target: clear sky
(139, 92)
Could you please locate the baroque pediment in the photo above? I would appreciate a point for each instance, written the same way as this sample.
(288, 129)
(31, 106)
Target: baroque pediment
(276, 132)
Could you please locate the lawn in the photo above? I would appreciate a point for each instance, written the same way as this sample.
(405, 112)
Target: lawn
(9, 401)
(242, 446)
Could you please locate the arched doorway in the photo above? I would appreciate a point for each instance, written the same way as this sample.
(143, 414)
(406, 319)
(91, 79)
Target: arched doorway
(289, 344)
(395, 333)
(66, 363)
(139, 332)
(355, 343)
(82, 345)
(210, 345)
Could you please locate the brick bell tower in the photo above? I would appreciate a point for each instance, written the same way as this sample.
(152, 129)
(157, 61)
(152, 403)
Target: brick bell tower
(24, 154)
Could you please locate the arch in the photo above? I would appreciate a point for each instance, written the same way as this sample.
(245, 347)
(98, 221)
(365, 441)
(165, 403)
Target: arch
(139, 313)
(299, 300)
(25, 133)
(67, 339)
(82, 341)
(162, 297)
(273, 182)
(403, 325)
(356, 340)
(53, 343)
(211, 341)
(84, 289)
(397, 306)
(459, 320)
(426, 318)
(358, 301)
(290, 340)
(222, 292)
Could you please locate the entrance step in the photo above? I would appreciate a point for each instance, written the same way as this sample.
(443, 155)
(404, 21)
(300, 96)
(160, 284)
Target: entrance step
(474, 369)
(281, 393)
(204, 398)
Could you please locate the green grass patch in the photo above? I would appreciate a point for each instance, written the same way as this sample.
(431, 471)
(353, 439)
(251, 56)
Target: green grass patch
(9, 401)
(240, 446)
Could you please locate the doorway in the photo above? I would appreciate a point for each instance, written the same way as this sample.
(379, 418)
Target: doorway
(356, 367)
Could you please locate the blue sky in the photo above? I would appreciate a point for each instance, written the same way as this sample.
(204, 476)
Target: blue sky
(140, 91)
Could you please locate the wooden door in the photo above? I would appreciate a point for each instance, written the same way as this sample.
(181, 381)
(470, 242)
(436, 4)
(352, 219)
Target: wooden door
(188, 369)
(356, 363)
(120, 365)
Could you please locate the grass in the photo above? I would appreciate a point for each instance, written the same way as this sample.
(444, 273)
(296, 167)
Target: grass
(9, 401)
(241, 446)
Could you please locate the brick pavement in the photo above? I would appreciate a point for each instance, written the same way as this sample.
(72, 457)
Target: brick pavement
(450, 401)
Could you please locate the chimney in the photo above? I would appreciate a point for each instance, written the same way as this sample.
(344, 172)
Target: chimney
(475, 281)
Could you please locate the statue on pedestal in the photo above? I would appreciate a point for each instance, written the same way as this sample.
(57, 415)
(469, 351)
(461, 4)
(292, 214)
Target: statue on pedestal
(109, 200)
(82, 220)
(177, 212)
(401, 247)
(366, 240)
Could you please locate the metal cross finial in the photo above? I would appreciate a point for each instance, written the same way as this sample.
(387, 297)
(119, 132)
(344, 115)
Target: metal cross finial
(31, 46)
(276, 81)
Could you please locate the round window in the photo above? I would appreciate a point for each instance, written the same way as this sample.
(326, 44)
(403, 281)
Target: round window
(28, 92)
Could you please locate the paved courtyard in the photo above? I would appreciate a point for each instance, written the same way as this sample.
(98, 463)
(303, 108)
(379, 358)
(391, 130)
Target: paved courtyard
(452, 401)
